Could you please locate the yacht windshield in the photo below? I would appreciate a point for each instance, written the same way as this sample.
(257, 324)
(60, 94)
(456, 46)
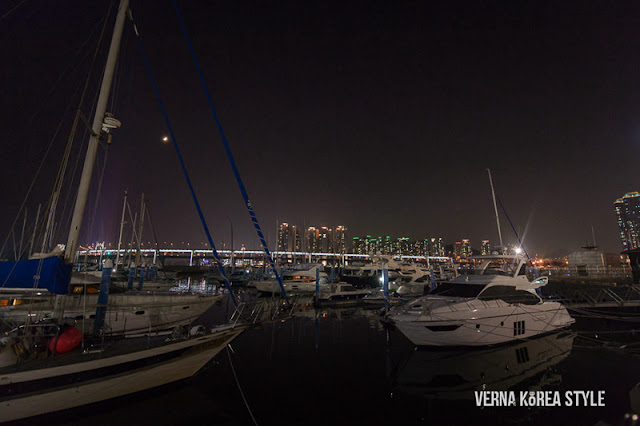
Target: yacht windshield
(510, 295)
(458, 290)
(500, 267)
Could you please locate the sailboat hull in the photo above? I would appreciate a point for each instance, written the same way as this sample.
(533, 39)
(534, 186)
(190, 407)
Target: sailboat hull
(128, 313)
(103, 378)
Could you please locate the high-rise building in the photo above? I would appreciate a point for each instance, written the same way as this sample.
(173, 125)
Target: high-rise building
(485, 247)
(457, 250)
(465, 249)
(628, 216)
(402, 247)
(313, 237)
(296, 235)
(371, 245)
(284, 237)
(358, 246)
(435, 247)
(340, 240)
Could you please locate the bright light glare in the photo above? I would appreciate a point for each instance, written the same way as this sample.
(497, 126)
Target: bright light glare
(165, 139)
(518, 250)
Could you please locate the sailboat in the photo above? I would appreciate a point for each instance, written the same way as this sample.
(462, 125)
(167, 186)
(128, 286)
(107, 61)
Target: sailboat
(47, 364)
(38, 289)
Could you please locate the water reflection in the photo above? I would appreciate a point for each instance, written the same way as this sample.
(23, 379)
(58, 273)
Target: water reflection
(438, 374)
(634, 397)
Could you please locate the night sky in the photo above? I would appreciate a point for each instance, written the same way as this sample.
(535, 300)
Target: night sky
(380, 116)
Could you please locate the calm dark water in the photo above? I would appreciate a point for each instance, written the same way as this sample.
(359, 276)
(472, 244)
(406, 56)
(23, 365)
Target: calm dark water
(343, 366)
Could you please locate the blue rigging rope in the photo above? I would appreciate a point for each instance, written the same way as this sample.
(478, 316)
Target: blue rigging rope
(184, 168)
(232, 162)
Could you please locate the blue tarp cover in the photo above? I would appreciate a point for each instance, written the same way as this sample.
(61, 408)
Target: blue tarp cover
(55, 275)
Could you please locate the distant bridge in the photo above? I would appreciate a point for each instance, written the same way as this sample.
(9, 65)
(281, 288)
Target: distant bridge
(251, 256)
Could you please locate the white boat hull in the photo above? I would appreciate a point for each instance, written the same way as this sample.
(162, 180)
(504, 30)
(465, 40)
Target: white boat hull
(473, 325)
(195, 353)
(127, 313)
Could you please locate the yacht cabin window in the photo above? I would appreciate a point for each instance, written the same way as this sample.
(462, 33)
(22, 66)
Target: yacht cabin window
(509, 294)
(457, 290)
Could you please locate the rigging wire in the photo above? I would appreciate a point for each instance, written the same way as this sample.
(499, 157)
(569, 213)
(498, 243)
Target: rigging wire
(63, 168)
(11, 10)
(182, 164)
(512, 227)
(71, 67)
(97, 194)
(239, 388)
(252, 214)
(55, 134)
(24, 202)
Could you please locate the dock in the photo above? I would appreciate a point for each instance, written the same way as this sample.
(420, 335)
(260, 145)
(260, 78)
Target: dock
(591, 296)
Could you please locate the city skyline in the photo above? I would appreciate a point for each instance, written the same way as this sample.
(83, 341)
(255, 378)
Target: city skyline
(380, 116)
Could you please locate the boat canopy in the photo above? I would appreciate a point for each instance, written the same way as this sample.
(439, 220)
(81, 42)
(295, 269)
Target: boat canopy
(54, 274)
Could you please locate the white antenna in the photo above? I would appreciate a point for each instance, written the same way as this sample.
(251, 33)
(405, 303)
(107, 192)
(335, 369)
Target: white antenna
(493, 194)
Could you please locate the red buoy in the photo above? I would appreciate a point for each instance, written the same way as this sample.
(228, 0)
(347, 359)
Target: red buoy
(68, 339)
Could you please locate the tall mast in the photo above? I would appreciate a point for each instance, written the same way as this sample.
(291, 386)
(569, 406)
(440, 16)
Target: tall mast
(124, 208)
(92, 149)
(140, 228)
(495, 206)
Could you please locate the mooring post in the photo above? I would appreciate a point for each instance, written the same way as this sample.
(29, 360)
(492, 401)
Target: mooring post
(132, 275)
(103, 297)
(141, 281)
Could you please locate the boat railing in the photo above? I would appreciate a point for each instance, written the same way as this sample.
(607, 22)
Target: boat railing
(597, 295)
(32, 327)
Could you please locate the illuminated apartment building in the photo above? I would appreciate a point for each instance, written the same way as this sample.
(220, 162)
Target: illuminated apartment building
(628, 215)
(485, 247)
(284, 237)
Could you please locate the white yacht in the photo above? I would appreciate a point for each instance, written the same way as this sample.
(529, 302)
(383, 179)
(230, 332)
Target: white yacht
(295, 282)
(421, 282)
(495, 304)
(342, 293)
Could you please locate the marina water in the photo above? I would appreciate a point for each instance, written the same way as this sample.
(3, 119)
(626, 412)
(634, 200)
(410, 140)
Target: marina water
(345, 366)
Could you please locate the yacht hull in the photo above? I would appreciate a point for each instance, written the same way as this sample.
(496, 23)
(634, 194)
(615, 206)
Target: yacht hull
(448, 327)
(106, 377)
